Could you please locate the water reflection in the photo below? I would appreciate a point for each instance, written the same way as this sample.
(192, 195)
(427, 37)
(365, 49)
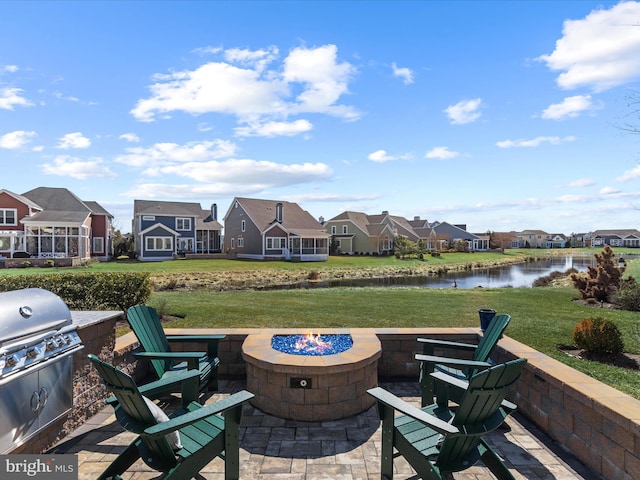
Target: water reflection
(520, 275)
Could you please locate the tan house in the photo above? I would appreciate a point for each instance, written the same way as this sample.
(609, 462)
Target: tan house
(273, 230)
(358, 233)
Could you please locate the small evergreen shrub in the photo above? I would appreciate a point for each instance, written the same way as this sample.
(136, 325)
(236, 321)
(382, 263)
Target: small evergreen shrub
(597, 335)
(49, 263)
(628, 297)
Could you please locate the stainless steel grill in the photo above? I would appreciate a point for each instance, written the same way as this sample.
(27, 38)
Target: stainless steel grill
(37, 342)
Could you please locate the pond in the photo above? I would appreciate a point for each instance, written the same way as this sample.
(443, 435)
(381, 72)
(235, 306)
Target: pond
(520, 275)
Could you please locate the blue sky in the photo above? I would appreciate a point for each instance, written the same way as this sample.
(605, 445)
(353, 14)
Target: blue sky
(502, 115)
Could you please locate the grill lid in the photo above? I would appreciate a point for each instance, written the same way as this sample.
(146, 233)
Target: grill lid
(28, 312)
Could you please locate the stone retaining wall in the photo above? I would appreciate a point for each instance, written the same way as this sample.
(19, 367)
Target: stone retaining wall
(598, 424)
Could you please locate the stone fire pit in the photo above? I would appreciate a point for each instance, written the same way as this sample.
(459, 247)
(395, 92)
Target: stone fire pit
(312, 388)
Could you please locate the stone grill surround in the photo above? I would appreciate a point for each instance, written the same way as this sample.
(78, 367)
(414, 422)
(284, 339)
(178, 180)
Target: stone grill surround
(339, 382)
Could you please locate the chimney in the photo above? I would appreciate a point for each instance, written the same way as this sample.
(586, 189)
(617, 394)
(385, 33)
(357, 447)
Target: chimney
(416, 218)
(214, 212)
(279, 208)
(321, 220)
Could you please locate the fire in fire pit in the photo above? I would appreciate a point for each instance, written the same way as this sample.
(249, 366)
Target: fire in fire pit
(312, 344)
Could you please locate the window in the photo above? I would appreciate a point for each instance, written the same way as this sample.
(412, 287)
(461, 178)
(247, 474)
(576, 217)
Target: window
(276, 242)
(333, 229)
(149, 218)
(159, 243)
(98, 245)
(240, 242)
(243, 226)
(8, 216)
(233, 244)
(344, 229)
(183, 224)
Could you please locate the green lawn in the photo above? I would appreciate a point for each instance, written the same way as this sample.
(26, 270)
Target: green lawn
(542, 317)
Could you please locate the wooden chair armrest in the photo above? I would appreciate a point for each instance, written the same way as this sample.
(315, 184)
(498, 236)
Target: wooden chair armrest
(390, 400)
(448, 344)
(157, 388)
(192, 358)
(233, 401)
(194, 338)
(452, 362)
(210, 339)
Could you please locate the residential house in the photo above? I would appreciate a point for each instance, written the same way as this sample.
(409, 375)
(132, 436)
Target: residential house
(530, 239)
(276, 230)
(557, 240)
(616, 238)
(358, 233)
(450, 236)
(164, 229)
(53, 223)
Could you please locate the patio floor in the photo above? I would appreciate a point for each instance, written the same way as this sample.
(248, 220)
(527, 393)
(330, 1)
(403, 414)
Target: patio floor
(275, 449)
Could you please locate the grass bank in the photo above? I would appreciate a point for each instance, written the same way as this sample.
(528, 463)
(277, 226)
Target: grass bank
(542, 317)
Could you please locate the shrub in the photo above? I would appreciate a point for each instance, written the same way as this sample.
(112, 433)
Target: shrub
(597, 335)
(628, 297)
(25, 264)
(88, 291)
(49, 263)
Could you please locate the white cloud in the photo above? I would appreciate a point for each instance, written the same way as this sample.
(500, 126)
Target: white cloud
(9, 68)
(630, 175)
(249, 90)
(161, 154)
(130, 137)
(609, 190)
(73, 140)
(67, 166)
(534, 142)
(11, 97)
(262, 174)
(15, 140)
(466, 111)
(581, 183)
(441, 153)
(570, 107)
(274, 129)
(230, 177)
(381, 156)
(599, 51)
(61, 96)
(406, 74)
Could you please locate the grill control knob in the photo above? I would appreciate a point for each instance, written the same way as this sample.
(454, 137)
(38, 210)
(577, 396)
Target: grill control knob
(51, 345)
(10, 361)
(31, 353)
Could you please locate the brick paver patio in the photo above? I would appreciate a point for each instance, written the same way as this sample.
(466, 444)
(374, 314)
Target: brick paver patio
(276, 449)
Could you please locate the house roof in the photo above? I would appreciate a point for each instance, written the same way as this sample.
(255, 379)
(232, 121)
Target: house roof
(375, 225)
(621, 233)
(22, 199)
(60, 206)
(157, 207)
(294, 219)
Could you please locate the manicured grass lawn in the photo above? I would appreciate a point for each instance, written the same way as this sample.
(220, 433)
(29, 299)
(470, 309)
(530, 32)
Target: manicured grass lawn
(542, 317)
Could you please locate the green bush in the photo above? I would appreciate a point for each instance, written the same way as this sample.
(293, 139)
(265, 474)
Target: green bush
(88, 290)
(597, 335)
(628, 297)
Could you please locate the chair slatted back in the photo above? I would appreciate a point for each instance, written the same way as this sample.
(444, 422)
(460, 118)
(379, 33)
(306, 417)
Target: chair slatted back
(133, 413)
(490, 337)
(478, 412)
(145, 323)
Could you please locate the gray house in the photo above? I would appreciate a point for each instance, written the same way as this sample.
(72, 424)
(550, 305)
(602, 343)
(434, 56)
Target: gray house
(270, 229)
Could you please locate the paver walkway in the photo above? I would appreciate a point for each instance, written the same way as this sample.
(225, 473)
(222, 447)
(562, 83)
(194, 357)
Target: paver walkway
(275, 449)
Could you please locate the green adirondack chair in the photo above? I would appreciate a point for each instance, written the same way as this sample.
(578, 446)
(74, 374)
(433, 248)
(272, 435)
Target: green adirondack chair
(435, 440)
(181, 444)
(146, 325)
(458, 368)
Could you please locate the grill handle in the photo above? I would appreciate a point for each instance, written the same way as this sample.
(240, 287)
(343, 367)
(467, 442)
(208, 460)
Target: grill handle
(35, 402)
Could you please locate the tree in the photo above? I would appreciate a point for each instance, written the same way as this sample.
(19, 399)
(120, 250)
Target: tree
(602, 281)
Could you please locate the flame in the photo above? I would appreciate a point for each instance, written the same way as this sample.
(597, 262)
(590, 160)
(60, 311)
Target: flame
(311, 343)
